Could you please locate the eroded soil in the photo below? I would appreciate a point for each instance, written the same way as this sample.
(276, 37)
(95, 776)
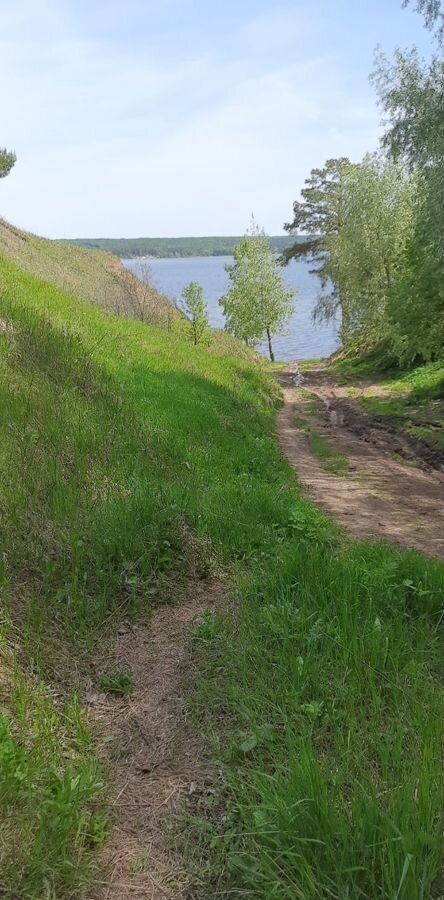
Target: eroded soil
(393, 488)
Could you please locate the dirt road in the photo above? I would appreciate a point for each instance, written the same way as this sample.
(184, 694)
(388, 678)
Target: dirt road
(389, 487)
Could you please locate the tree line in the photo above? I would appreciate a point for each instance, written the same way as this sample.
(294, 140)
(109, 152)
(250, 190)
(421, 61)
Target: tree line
(162, 248)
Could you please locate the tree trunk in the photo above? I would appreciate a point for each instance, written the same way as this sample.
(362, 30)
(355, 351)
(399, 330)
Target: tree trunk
(270, 348)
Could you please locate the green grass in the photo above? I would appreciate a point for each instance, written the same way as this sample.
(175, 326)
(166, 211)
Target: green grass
(119, 684)
(125, 452)
(51, 788)
(304, 365)
(331, 459)
(312, 403)
(122, 436)
(326, 687)
(88, 274)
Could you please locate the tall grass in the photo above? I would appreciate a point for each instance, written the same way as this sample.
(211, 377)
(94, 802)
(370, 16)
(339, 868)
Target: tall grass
(119, 441)
(331, 678)
(51, 788)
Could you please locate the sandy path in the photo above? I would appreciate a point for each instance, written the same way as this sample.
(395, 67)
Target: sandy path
(153, 753)
(379, 497)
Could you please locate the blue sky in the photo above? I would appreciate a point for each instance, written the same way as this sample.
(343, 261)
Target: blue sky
(183, 118)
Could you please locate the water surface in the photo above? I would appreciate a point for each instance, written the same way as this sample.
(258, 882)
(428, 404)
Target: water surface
(303, 338)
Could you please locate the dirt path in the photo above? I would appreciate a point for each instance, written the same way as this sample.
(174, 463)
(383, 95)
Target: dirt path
(153, 754)
(379, 496)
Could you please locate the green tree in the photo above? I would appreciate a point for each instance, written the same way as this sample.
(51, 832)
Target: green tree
(369, 252)
(411, 93)
(7, 161)
(258, 302)
(319, 217)
(195, 310)
(360, 219)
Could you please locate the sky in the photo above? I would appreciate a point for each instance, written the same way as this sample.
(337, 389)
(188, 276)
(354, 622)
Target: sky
(177, 118)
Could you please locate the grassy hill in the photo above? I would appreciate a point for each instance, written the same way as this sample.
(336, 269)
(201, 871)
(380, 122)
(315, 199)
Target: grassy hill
(127, 455)
(90, 275)
(128, 248)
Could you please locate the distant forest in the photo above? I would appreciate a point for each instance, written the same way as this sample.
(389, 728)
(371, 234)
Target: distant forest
(130, 248)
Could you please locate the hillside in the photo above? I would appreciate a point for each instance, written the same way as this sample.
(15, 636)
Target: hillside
(128, 248)
(91, 275)
(290, 729)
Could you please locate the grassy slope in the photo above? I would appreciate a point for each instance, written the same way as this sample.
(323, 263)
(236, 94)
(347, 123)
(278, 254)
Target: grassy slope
(89, 274)
(118, 442)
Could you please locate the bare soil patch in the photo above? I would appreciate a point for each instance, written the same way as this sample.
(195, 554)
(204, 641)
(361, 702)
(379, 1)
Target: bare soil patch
(155, 757)
(380, 497)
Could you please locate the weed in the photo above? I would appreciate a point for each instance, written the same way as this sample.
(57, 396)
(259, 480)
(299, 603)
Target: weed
(120, 684)
(206, 630)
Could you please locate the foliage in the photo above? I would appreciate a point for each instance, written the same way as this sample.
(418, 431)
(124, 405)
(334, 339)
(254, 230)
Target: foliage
(319, 215)
(258, 302)
(433, 14)
(195, 310)
(369, 251)
(361, 219)
(412, 95)
(7, 161)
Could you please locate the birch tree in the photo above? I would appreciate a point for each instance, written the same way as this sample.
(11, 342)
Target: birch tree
(369, 252)
(258, 303)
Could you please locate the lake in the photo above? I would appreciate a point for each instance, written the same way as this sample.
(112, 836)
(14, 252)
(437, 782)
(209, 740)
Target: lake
(303, 338)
